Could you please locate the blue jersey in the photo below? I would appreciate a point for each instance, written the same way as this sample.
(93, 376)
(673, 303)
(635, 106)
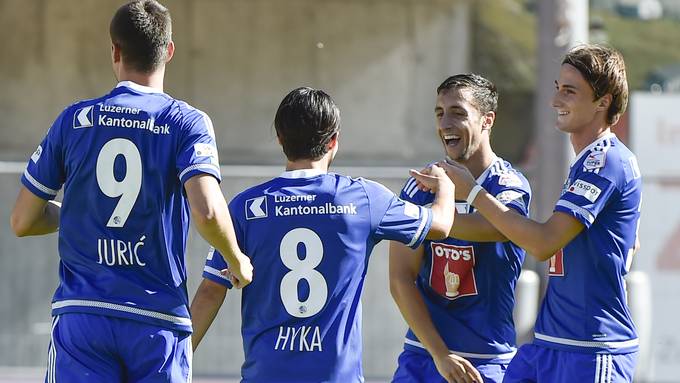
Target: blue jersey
(584, 309)
(469, 287)
(309, 235)
(123, 159)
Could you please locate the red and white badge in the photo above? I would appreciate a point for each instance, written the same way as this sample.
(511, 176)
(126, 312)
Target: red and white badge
(556, 264)
(452, 274)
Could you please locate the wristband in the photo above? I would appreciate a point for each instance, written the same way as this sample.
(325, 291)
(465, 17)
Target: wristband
(473, 194)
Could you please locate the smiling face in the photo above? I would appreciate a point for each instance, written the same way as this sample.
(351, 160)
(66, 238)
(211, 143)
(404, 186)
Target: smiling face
(577, 110)
(461, 127)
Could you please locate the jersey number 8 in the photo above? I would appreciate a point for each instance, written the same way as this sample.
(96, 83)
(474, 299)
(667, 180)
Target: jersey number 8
(302, 269)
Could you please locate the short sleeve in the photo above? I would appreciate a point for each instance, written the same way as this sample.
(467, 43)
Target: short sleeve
(214, 264)
(198, 149)
(512, 190)
(586, 197)
(44, 174)
(396, 219)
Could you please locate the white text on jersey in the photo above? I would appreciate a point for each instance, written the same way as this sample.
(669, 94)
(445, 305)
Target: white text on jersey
(305, 338)
(121, 253)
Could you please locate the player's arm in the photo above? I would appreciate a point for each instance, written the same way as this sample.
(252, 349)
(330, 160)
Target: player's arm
(541, 240)
(474, 227)
(444, 205)
(204, 307)
(33, 215)
(211, 217)
(403, 270)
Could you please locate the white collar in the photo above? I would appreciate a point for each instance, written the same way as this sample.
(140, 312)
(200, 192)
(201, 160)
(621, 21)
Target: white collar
(139, 88)
(302, 173)
(591, 146)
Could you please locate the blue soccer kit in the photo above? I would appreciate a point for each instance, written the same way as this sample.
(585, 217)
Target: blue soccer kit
(122, 160)
(309, 235)
(468, 287)
(584, 316)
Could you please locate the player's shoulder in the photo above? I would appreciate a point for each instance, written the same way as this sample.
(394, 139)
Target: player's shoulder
(610, 158)
(503, 174)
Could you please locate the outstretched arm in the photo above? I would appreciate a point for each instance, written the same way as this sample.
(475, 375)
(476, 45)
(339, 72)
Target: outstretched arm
(404, 266)
(541, 240)
(211, 217)
(207, 302)
(33, 215)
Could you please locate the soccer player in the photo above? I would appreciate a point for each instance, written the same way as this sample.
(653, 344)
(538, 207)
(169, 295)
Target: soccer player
(134, 164)
(309, 234)
(584, 331)
(457, 294)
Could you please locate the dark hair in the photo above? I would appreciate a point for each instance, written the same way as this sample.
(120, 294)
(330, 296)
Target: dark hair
(142, 29)
(603, 68)
(483, 91)
(305, 122)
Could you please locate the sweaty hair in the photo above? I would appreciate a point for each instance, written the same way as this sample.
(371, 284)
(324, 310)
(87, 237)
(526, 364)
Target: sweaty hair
(305, 122)
(142, 29)
(603, 68)
(483, 91)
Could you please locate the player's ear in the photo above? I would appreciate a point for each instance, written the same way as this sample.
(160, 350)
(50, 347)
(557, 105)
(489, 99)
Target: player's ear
(333, 142)
(115, 53)
(488, 119)
(604, 102)
(170, 52)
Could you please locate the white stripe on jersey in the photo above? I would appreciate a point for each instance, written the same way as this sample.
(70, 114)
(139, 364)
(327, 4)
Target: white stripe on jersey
(117, 307)
(578, 209)
(588, 343)
(52, 354)
(506, 356)
(424, 217)
(199, 166)
(38, 185)
(608, 377)
(408, 188)
(215, 272)
(598, 368)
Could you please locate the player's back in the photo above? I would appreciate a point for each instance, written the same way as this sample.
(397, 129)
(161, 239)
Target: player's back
(123, 159)
(309, 236)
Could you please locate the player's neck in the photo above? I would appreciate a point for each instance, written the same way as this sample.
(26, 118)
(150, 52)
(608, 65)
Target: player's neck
(580, 140)
(152, 80)
(307, 164)
(480, 161)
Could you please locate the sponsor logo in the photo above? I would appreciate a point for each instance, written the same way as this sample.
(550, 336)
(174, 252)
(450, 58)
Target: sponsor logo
(508, 196)
(206, 150)
(585, 189)
(452, 274)
(83, 118)
(411, 210)
(594, 160)
(36, 155)
(256, 208)
(510, 179)
(556, 265)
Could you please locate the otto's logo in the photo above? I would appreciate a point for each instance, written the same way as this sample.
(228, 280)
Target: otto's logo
(452, 273)
(556, 266)
(585, 189)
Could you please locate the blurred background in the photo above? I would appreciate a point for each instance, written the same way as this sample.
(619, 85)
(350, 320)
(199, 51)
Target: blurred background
(381, 60)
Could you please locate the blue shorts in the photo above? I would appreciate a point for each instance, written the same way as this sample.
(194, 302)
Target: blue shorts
(96, 348)
(419, 367)
(539, 364)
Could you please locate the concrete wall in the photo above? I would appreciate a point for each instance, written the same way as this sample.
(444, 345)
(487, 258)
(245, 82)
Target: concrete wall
(380, 59)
